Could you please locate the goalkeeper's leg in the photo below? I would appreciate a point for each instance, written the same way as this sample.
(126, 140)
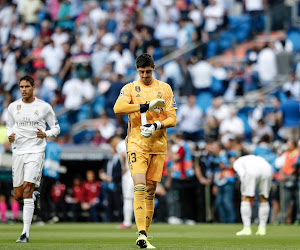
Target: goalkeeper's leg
(150, 204)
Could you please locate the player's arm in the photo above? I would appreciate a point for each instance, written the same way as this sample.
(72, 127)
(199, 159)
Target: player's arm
(170, 121)
(123, 107)
(9, 127)
(53, 124)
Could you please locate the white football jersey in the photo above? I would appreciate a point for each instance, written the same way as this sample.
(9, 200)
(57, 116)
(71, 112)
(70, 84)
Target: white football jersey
(253, 165)
(24, 119)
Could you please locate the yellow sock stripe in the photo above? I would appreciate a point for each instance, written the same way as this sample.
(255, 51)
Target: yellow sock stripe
(140, 188)
(150, 197)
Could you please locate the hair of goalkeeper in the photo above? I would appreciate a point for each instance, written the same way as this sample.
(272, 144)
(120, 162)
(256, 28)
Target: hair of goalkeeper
(144, 60)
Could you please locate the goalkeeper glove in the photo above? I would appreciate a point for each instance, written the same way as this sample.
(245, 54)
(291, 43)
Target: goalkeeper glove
(147, 130)
(152, 106)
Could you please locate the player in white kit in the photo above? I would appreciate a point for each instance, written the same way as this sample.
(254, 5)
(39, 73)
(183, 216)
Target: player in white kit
(254, 172)
(119, 145)
(26, 131)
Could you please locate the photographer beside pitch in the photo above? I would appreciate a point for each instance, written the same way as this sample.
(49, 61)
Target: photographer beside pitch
(26, 131)
(146, 143)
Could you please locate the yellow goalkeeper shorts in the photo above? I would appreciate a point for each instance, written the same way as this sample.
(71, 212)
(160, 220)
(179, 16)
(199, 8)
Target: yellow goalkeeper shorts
(149, 164)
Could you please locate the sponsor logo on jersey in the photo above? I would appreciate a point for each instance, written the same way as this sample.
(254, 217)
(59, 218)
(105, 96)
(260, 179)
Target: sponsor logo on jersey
(159, 95)
(36, 112)
(18, 107)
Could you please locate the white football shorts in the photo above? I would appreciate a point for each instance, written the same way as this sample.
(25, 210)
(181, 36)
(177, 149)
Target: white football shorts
(27, 167)
(250, 182)
(127, 186)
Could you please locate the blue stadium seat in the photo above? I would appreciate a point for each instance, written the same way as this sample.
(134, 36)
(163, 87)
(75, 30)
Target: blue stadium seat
(157, 54)
(248, 131)
(204, 100)
(226, 39)
(84, 137)
(84, 112)
(98, 105)
(216, 86)
(62, 120)
(241, 26)
(294, 36)
(211, 48)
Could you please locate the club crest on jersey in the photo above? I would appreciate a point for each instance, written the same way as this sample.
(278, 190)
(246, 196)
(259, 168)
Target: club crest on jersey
(159, 95)
(18, 107)
(36, 112)
(138, 89)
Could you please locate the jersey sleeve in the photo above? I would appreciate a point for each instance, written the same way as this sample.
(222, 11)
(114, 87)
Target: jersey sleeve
(170, 99)
(125, 93)
(10, 122)
(53, 123)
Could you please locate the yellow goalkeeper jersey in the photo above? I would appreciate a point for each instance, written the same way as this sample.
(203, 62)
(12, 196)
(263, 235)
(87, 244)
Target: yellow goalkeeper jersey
(138, 93)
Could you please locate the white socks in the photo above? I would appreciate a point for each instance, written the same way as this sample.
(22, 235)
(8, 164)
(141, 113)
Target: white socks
(127, 211)
(263, 213)
(246, 213)
(28, 210)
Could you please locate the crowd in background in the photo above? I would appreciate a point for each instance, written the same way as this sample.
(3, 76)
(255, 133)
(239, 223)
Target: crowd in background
(79, 51)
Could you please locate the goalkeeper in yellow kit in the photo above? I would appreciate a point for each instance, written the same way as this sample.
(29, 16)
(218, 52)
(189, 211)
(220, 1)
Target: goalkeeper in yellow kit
(147, 142)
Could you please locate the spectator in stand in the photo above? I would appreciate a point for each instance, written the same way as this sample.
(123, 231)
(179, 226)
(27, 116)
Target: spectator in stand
(211, 128)
(290, 117)
(214, 17)
(189, 119)
(149, 14)
(261, 130)
(8, 68)
(250, 78)
(59, 37)
(201, 72)
(166, 32)
(218, 109)
(256, 8)
(53, 57)
(90, 195)
(293, 86)
(233, 125)
(273, 117)
(258, 112)
(45, 32)
(266, 64)
(98, 138)
(29, 11)
(106, 126)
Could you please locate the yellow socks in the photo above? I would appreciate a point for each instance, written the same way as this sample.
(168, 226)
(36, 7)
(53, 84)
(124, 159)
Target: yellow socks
(150, 210)
(139, 206)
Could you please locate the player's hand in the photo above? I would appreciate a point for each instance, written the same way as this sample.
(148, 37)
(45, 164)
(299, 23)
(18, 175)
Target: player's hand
(11, 138)
(156, 104)
(148, 130)
(40, 134)
(153, 106)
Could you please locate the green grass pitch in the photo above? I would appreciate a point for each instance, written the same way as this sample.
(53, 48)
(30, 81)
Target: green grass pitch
(106, 236)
